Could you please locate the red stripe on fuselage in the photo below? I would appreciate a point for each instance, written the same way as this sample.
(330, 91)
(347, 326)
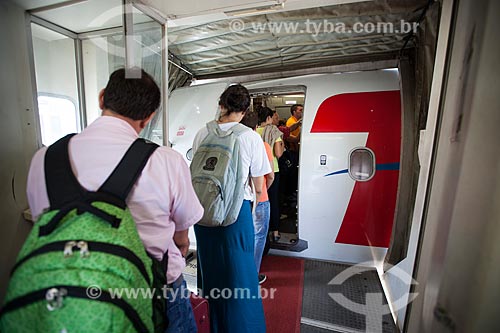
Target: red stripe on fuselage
(370, 213)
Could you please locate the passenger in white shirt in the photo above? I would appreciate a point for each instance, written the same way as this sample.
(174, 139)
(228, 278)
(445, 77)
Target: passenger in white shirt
(226, 254)
(162, 201)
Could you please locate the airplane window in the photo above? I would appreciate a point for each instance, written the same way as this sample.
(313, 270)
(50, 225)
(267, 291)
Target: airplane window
(361, 164)
(58, 117)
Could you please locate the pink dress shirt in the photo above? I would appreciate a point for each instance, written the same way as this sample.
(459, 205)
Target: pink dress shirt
(161, 202)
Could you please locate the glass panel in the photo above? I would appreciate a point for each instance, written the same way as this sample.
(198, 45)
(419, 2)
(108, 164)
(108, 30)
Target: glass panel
(361, 164)
(102, 55)
(83, 16)
(147, 54)
(55, 69)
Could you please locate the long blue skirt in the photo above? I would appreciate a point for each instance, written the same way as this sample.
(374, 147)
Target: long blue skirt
(229, 277)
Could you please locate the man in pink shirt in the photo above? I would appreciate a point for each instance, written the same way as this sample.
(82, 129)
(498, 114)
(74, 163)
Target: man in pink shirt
(162, 201)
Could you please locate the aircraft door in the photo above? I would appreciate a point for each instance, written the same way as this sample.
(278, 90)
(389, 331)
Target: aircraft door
(357, 139)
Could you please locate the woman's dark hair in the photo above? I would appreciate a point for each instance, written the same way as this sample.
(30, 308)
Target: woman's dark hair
(263, 113)
(250, 120)
(235, 99)
(134, 98)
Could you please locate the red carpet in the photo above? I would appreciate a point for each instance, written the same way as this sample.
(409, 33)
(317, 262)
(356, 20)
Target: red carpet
(284, 310)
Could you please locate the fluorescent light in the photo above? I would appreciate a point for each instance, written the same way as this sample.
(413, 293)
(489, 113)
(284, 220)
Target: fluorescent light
(290, 102)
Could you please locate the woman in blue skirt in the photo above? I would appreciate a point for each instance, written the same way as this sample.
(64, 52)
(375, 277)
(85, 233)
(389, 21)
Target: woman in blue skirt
(226, 254)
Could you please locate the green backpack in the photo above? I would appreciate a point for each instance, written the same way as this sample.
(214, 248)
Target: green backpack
(82, 250)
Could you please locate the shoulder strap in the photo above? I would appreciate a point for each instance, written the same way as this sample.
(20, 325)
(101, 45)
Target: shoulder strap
(239, 129)
(62, 185)
(124, 176)
(214, 128)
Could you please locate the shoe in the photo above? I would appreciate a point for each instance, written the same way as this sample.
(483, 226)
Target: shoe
(276, 238)
(262, 278)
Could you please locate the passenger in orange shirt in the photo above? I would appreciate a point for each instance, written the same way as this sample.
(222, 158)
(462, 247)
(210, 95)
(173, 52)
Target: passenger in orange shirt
(297, 111)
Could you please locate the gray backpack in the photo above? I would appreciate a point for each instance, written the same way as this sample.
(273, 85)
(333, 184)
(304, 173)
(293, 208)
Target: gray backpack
(217, 175)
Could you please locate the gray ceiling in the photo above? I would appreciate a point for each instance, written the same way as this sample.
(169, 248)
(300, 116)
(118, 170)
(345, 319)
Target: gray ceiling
(225, 47)
(299, 39)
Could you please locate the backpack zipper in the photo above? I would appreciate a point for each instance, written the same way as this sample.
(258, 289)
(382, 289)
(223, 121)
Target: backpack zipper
(213, 179)
(55, 295)
(86, 247)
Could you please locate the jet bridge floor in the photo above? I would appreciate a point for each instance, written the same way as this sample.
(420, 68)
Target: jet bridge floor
(320, 312)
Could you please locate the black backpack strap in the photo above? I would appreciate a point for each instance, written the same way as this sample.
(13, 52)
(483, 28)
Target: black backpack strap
(123, 178)
(62, 185)
(65, 192)
(160, 304)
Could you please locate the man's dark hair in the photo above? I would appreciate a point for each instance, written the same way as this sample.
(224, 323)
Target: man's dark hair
(134, 98)
(263, 113)
(235, 99)
(250, 120)
(294, 108)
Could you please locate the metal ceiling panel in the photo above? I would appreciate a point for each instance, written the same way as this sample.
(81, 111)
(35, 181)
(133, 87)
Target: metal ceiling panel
(326, 35)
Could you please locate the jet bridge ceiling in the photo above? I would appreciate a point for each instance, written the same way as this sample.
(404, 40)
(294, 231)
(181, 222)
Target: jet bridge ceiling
(296, 39)
(212, 39)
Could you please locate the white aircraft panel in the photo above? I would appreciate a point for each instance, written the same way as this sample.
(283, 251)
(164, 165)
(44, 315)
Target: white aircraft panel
(190, 108)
